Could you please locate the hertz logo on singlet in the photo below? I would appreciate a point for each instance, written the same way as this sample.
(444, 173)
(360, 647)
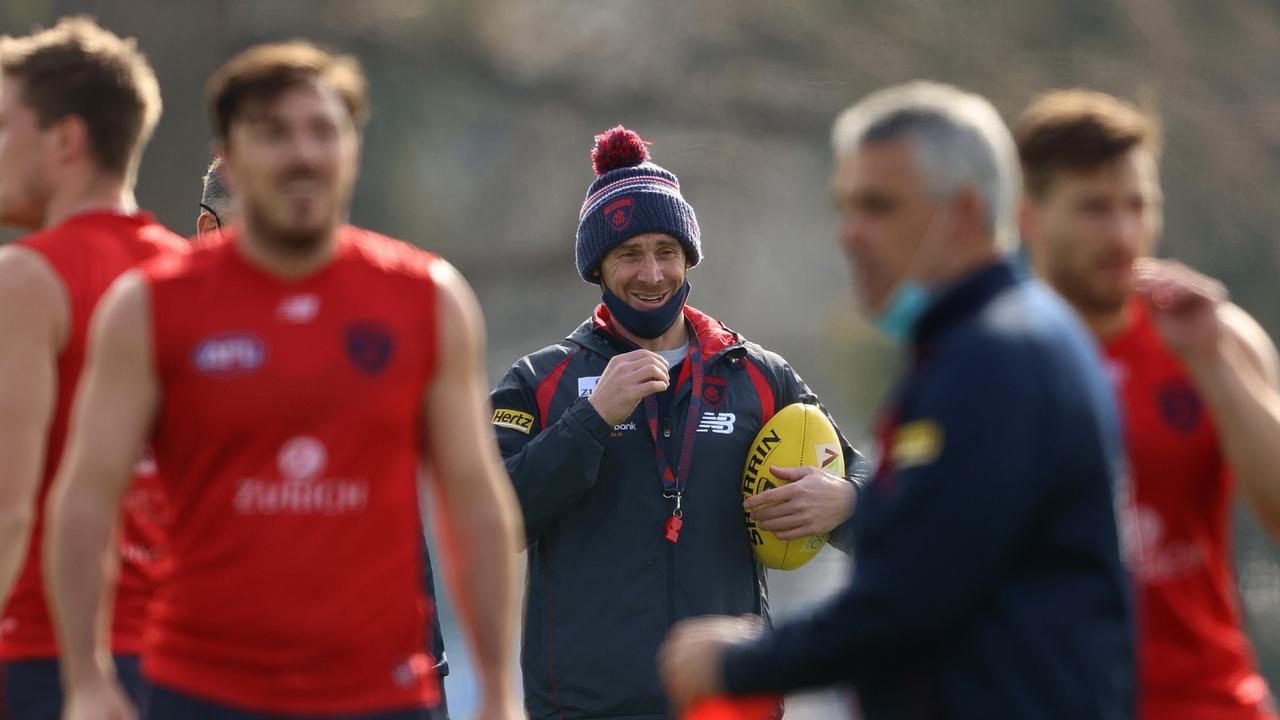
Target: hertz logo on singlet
(301, 489)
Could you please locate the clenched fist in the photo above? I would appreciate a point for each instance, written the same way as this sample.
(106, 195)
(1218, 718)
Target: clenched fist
(628, 379)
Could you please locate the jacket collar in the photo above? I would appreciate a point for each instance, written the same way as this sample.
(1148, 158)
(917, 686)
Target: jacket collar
(966, 296)
(597, 333)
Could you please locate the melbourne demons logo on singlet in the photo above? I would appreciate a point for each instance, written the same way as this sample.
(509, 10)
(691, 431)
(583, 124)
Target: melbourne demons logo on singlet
(1180, 405)
(302, 488)
(369, 346)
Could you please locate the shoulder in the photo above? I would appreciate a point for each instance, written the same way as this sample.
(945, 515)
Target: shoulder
(176, 263)
(122, 323)
(130, 291)
(1022, 335)
(763, 357)
(764, 365)
(1252, 338)
(26, 277)
(54, 251)
(46, 241)
(1020, 324)
(395, 257)
(541, 364)
(164, 240)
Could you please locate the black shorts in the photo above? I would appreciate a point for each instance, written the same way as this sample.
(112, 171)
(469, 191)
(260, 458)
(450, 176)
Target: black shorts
(33, 689)
(164, 703)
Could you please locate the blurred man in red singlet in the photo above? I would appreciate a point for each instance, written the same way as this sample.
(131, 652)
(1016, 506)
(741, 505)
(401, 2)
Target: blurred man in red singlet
(77, 105)
(1197, 382)
(291, 379)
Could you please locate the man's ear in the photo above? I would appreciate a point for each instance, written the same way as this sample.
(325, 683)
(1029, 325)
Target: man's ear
(71, 139)
(969, 210)
(206, 225)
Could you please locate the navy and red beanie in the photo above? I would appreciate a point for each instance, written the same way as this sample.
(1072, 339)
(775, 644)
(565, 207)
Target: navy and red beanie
(630, 196)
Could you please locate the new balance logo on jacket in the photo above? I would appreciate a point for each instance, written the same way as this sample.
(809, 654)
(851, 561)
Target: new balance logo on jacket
(714, 422)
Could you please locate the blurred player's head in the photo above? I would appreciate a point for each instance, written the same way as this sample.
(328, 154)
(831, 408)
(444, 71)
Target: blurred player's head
(1092, 201)
(215, 201)
(287, 118)
(77, 106)
(926, 178)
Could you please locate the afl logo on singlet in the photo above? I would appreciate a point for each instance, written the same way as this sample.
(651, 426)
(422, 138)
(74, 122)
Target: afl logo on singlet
(229, 355)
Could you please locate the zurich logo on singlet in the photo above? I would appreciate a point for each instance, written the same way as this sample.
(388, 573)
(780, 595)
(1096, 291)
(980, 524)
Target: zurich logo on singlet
(303, 487)
(229, 355)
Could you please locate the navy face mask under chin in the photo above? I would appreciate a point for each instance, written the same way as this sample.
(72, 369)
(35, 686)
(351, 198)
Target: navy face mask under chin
(647, 324)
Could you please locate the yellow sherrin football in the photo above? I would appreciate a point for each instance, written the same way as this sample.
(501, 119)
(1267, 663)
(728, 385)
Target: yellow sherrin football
(797, 435)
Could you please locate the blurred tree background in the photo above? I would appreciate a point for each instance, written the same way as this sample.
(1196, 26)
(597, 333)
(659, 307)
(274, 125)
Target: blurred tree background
(485, 112)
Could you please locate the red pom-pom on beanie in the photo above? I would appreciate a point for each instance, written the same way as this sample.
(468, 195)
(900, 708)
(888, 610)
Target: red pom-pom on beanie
(616, 148)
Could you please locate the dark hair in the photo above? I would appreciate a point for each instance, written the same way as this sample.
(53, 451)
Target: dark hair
(78, 68)
(264, 71)
(1078, 130)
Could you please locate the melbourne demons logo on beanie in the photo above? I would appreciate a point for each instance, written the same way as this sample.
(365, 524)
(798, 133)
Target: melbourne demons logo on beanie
(619, 213)
(630, 196)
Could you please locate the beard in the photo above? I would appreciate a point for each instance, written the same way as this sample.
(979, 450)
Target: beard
(292, 238)
(1090, 294)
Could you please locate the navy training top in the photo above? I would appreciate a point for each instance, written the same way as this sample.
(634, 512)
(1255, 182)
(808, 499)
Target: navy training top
(988, 579)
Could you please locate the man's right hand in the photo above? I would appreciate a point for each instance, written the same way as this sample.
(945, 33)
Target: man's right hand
(628, 379)
(98, 700)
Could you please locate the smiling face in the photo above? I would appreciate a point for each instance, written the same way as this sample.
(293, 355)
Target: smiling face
(292, 159)
(645, 271)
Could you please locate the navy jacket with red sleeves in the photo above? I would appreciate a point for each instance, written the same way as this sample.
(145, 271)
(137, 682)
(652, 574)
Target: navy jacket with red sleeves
(604, 585)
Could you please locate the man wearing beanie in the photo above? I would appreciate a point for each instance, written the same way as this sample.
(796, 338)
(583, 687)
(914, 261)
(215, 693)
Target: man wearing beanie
(626, 442)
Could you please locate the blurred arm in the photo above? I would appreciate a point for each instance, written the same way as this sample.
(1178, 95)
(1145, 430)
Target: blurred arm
(1233, 364)
(477, 512)
(934, 545)
(1241, 385)
(113, 411)
(33, 321)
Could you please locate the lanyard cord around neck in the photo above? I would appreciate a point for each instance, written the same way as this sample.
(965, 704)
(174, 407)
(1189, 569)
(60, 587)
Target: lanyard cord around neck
(675, 479)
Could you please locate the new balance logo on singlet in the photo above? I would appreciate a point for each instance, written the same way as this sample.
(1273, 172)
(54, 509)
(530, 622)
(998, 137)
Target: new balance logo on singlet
(298, 309)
